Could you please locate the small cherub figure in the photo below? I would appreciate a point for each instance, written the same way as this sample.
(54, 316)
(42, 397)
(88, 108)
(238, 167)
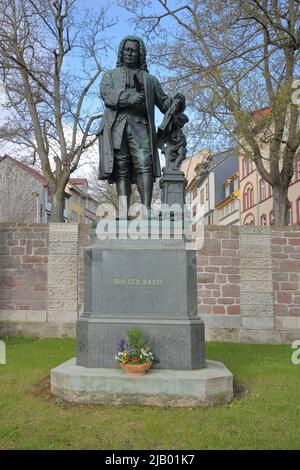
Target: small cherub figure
(174, 148)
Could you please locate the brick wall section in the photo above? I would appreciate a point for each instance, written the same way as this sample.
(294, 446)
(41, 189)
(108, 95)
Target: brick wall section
(286, 281)
(23, 273)
(38, 279)
(248, 281)
(218, 277)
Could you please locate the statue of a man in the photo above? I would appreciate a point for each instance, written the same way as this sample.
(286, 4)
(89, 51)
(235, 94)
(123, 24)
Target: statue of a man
(128, 143)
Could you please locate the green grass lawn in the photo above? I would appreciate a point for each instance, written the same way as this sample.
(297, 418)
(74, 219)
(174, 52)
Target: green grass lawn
(265, 413)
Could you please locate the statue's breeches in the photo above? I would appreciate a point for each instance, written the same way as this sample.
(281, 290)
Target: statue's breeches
(134, 154)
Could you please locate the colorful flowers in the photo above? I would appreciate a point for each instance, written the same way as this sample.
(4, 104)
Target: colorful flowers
(133, 349)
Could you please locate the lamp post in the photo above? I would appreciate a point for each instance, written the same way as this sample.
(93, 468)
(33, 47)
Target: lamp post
(37, 196)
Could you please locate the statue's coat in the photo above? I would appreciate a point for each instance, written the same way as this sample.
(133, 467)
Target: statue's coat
(112, 85)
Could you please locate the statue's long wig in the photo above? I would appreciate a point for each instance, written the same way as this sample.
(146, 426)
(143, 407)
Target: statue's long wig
(143, 63)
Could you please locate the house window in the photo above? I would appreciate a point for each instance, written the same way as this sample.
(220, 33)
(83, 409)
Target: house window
(235, 184)
(270, 190)
(249, 220)
(248, 197)
(202, 196)
(80, 219)
(49, 197)
(206, 192)
(74, 216)
(290, 215)
(245, 168)
(297, 169)
(227, 190)
(195, 192)
(263, 220)
(271, 218)
(298, 210)
(263, 190)
(194, 210)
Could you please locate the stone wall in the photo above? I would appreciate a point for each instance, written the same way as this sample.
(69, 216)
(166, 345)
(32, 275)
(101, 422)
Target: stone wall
(248, 281)
(249, 284)
(38, 279)
(23, 278)
(286, 282)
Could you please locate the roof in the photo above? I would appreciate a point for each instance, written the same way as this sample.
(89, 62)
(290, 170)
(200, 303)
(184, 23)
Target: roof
(27, 168)
(78, 181)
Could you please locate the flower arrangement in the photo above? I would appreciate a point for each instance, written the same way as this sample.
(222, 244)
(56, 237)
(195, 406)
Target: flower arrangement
(133, 349)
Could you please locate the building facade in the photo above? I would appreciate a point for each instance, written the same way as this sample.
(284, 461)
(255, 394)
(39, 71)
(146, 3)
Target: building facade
(190, 168)
(257, 196)
(25, 196)
(213, 187)
(82, 206)
(228, 208)
(23, 193)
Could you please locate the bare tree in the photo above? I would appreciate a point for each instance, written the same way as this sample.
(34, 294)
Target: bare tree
(49, 64)
(232, 57)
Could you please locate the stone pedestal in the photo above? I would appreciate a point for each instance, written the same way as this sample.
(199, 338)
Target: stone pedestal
(151, 284)
(209, 386)
(173, 184)
(146, 283)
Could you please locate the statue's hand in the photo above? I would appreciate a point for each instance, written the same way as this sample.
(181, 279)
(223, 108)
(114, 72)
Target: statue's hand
(181, 98)
(136, 98)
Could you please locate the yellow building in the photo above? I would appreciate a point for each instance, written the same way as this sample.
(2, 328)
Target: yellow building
(77, 189)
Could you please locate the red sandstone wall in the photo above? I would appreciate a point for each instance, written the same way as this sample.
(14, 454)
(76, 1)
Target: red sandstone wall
(222, 283)
(286, 272)
(23, 271)
(218, 272)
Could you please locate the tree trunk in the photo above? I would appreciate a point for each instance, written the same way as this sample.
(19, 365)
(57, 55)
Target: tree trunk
(281, 206)
(57, 205)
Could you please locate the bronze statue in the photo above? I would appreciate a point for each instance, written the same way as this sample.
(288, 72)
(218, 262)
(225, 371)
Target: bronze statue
(171, 138)
(128, 141)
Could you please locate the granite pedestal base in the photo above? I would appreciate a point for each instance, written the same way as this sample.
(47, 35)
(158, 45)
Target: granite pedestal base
(147, 283)
(150, 284)
(208, 386)
(173, 184)
(178, 343)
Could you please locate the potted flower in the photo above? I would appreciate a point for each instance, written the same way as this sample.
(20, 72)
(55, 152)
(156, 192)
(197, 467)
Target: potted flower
(134, 353)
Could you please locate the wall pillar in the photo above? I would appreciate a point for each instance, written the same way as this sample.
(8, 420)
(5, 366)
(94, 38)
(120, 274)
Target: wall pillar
(63, 277)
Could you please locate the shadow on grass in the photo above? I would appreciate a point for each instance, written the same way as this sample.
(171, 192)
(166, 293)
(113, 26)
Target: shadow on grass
(238, 391)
